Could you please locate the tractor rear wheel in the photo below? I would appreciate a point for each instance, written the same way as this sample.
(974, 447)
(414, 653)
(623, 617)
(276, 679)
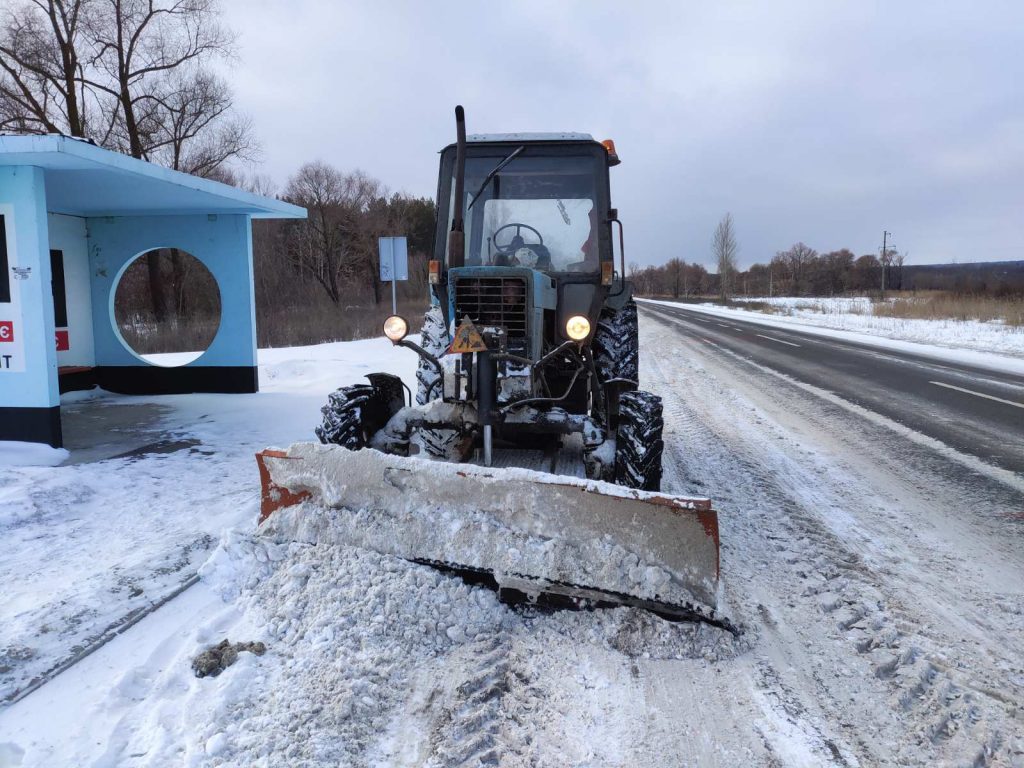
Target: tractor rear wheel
(638, 441)
(617, 344)
(434, 338)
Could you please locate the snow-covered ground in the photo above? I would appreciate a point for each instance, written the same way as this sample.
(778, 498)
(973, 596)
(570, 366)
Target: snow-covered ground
(881, 595)
(853, 316)
(89, 545)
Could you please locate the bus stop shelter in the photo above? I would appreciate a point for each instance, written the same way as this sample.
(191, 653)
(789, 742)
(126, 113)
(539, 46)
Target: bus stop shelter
(73, 217)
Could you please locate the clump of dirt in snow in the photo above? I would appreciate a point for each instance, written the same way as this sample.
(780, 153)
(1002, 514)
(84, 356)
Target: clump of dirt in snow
(14, 653)
(217, 658)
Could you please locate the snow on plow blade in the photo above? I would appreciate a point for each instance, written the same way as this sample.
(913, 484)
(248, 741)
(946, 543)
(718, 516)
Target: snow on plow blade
(537, 533)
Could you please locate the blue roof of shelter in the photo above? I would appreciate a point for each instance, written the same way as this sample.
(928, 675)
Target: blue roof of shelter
(83, 179)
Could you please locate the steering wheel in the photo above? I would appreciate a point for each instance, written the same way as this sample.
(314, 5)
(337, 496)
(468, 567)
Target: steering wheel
(517, 248)
(512, 243)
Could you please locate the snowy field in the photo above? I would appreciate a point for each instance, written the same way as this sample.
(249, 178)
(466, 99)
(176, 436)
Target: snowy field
(881, 593)
(853, 316)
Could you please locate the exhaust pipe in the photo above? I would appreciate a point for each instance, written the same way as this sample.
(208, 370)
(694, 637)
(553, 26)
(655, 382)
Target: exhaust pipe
(457, 237)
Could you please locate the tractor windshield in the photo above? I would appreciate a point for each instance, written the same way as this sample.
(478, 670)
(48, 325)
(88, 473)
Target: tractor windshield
(537, 211)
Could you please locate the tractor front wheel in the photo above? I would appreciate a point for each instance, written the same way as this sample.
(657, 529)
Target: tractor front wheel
(638, 441)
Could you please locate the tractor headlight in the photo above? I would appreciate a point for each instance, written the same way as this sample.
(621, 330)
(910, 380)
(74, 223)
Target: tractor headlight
(395, 328)
(577, 328)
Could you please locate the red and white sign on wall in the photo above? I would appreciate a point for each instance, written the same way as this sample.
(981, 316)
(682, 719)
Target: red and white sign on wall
(63, 343)
(12, 276)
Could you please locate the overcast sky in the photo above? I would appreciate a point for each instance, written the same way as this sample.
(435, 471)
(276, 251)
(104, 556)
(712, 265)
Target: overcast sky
(825, 122)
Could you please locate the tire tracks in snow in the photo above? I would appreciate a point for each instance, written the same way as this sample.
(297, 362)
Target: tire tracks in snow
(843, 650)
(522, 699)
(468, 729)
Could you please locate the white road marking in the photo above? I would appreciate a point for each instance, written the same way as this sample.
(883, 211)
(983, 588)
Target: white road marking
(772, 338)
(725, 325)
(1004, 476)
(978, 394)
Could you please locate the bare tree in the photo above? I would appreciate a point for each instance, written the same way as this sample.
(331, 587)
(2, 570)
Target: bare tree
(892, 269)
(897, 269)
(315, 246)
(146, 67)
(724, 248)
(197, 132)
(675, 272)
(136, 46)
(41, 89)
(329, 246)
(794, 265)
(139, 65)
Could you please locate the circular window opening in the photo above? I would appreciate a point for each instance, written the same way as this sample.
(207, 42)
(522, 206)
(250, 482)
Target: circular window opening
(167, 307)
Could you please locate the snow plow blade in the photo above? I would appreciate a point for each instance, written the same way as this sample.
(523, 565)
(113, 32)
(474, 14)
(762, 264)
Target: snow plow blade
(538, 534)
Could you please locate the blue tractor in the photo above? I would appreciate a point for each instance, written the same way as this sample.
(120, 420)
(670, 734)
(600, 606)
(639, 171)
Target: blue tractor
(529, 351)
(528, 360)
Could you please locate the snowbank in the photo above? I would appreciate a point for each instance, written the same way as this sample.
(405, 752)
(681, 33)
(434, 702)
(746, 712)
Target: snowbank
(18, 454)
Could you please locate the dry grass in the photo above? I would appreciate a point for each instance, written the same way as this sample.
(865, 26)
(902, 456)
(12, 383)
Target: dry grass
(284, 327)
(147, 337)
(948, 306)
(922, 305)
(294, 326)
(760, 306)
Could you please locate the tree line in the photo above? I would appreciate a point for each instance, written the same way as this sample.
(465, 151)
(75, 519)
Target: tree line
(798, 271)
(802, 271)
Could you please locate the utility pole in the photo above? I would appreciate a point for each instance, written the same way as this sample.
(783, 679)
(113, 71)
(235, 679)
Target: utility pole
(885, 257)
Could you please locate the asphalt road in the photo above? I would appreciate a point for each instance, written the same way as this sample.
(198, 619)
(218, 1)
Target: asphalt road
(975, 411)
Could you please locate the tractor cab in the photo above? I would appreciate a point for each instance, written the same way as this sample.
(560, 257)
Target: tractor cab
(533, 200)
(535, 247)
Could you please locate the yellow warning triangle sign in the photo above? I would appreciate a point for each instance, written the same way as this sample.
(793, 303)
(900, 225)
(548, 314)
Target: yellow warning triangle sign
(467, 339)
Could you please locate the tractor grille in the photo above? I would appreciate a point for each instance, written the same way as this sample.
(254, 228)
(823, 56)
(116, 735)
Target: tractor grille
(493, 301)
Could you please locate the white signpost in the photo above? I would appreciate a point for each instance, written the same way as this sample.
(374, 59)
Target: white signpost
(394, 264)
